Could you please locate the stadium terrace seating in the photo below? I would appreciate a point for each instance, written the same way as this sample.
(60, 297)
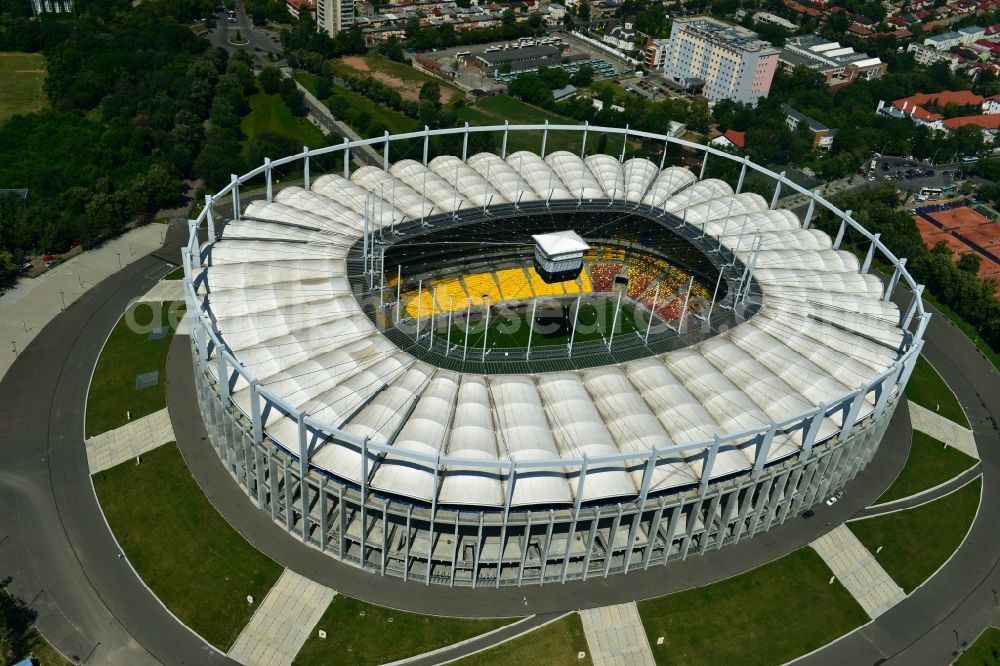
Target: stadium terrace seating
(418, 303)
(541, 288)
(513, 284)
(585, 286)
(447, 289)
(480, 285)
(602, 276)
(642, 270)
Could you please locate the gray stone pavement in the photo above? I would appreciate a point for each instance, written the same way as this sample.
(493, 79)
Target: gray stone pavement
(284, 620)
(126, 443)
(164, 291)
(27, 308)
(616, 637)
(943, 429)
(858, 570)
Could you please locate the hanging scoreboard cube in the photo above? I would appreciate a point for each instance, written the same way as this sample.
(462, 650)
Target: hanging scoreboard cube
(559, 255)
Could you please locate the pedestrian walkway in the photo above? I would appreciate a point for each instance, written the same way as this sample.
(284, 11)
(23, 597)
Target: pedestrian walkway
(164, 291)
(34, 302)
(283, 621)
(116, 446)
(942, 429)
(858, 571)
(616, 636)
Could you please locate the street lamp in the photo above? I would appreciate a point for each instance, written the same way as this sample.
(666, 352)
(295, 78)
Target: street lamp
(62, 295)
(119, 255)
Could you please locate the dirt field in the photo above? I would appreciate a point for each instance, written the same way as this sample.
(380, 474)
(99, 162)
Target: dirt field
(408, 89)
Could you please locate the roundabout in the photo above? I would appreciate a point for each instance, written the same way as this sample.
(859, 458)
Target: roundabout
(112, 587)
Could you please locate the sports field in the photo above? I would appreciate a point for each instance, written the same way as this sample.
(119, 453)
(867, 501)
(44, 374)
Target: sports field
(964, 229)
(508, 325)
(22, 77)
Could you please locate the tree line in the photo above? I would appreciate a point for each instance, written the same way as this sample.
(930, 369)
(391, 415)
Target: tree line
(137, 104)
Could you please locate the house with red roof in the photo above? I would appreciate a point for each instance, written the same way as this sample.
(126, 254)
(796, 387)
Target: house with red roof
(729, 139)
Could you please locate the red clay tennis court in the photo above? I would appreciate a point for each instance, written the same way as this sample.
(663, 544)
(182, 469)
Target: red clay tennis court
(958, 228)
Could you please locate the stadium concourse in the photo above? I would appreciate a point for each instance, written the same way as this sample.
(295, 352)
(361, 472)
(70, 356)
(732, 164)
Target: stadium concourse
(762, 377)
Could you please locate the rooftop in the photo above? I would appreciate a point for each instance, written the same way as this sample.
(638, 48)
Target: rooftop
(724, 34)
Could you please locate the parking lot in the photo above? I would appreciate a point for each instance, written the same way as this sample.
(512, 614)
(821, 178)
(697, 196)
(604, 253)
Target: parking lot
(911, 176)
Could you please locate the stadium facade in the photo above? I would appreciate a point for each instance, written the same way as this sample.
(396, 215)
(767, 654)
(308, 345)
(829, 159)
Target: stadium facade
(352, 380)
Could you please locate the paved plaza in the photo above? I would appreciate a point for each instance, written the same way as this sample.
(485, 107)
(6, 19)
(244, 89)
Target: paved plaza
(34, 302)
(616, 637)
(116, 446)
(858, 571)
(942, 429)
(283, 621)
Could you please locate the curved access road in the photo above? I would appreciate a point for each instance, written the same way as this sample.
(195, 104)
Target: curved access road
(950, 610)
(61, 559)
(56, 552)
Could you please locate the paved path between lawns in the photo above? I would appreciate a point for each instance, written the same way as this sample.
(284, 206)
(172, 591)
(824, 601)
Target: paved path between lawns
(943, 430)
(616, 637)
(34, 302)
(283, 621)
(108, 449)
(164, 290)
(858, 571)
(925, 496)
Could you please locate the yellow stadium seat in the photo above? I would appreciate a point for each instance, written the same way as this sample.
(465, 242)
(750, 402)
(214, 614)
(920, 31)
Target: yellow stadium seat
(542, 288)
(480, 285)
(513, 284)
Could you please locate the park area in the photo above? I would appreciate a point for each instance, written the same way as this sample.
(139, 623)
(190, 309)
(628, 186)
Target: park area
(964, 229)
(22, 81)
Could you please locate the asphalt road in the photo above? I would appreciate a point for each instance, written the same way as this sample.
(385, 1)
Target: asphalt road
(259, 41)
(950, 610)
(56, 551)
(62, 560)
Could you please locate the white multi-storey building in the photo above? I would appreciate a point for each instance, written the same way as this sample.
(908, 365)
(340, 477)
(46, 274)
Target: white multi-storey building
(724, 61)
(332, 16)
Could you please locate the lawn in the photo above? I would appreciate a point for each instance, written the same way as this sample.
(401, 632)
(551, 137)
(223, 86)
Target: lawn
(195, 563)
(268, 113)
(22, 77)
(495, 110)
(360, 633)
(929, 390)
(930, 463)
(985, 651)
(176, 274)
(916, 542)
(555, 644)
(129, 352)
(509, 328)
(769, 615)
(395, 122)
(408, 80)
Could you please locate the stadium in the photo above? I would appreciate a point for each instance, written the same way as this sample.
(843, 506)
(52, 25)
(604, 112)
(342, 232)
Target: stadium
(507, 369)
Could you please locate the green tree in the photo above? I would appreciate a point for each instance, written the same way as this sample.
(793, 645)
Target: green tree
(270, 79)
(968, 262)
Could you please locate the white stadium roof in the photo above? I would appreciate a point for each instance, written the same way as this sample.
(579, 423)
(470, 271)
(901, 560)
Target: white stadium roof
(277, 289)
